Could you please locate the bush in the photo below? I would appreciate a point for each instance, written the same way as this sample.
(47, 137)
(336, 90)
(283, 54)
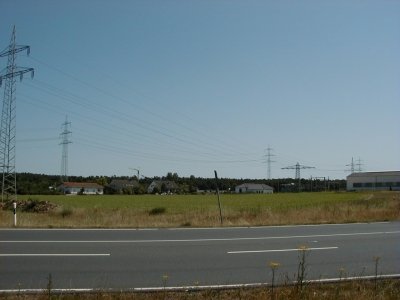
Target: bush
(66, 212)
(157, 211)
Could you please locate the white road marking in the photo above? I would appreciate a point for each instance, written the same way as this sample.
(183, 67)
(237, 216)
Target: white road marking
(195, 228)
(53, 254)
(279, 250)
(197, 287)
(208, 239)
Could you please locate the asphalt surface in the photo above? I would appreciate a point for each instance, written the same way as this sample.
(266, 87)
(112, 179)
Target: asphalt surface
(129, 258)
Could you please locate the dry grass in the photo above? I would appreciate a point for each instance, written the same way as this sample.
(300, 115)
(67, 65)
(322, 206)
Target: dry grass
(202, 211)
(366, 290)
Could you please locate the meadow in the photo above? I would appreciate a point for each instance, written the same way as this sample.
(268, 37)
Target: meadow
(142, 211)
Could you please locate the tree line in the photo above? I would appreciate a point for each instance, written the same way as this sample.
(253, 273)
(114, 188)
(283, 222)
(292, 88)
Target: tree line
(36, 184)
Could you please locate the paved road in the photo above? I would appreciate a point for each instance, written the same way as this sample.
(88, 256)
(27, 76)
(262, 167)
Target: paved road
(125, 259)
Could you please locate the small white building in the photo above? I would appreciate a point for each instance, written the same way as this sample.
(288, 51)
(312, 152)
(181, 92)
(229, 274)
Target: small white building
(256, 188)
(119, 185)
(374, 181)
(162, 186)
(86, 188)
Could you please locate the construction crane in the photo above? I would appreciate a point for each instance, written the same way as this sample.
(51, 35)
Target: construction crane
(138, 172)
(297, 167)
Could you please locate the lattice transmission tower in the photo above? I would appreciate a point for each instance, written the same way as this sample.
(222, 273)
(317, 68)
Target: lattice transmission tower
(8, 118)
(353, 166)
(65, 135)
(269, 155)
(298, 167)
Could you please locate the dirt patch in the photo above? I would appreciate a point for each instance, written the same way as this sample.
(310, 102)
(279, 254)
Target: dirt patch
(30, 205)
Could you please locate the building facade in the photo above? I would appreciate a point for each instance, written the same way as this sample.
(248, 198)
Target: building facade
(85, 188)
(162, 186)
(374, 181)
(122, 185)
(256, 188)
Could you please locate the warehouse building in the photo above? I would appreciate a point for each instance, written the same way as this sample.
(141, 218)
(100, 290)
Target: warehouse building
(374, 181)
(254, 188)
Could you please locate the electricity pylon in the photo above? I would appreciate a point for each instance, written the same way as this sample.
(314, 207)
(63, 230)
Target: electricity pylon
(269, 161)
(353, 165)
(8, 118)
(297, 167)
(65, 134)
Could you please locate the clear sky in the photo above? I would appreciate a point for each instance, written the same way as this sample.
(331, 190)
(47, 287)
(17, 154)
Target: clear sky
(196, 86)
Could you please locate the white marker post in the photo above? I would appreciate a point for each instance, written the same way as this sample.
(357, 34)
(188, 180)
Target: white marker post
(15, 214)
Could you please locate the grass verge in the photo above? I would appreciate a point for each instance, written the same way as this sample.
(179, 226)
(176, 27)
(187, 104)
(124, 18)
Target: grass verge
(202, 210)
(387, 290)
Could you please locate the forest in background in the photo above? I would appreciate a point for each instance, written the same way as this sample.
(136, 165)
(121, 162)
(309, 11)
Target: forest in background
(42, 184)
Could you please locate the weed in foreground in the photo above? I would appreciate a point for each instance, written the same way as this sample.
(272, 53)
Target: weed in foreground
(301, 270)
(376, 260)
(49, 286)
(274, 266)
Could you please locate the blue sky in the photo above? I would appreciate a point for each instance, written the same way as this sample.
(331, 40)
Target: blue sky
(196, 86)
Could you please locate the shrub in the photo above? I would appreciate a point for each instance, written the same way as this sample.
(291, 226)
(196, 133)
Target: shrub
(157, 211)
(66, 212)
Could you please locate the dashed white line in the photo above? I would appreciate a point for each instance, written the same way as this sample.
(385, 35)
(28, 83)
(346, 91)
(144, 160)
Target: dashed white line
(207, 239)
(52, 254)
(280, 250)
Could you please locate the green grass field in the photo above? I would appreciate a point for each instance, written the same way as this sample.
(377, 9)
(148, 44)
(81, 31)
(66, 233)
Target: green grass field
(202, 210)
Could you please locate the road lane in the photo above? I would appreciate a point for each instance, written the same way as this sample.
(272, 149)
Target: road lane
(139, 258)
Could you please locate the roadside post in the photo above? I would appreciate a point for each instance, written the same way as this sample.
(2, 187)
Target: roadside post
(219, 202)
(15, 214)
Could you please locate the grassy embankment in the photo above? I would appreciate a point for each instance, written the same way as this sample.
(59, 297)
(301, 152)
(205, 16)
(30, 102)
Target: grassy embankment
(346, 290)
(202, 210)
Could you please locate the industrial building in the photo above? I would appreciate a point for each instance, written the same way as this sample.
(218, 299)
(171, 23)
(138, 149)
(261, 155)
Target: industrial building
(254, 188)
(374, 181)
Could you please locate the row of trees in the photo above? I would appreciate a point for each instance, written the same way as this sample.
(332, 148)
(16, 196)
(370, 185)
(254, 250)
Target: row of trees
(33, 184)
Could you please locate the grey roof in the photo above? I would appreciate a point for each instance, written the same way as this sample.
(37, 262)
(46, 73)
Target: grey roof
(372, 174)
(255, 186)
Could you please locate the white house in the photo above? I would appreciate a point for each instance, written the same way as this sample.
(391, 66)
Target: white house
(86, 188)
(389, 180)
(119, 185)
(254, 188)
(162, 186)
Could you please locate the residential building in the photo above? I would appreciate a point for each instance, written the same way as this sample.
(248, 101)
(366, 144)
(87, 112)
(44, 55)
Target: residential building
(86, 188)
(162, 186)
(122, 185)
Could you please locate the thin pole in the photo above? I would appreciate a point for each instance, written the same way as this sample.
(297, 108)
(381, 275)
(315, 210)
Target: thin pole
(219, 202)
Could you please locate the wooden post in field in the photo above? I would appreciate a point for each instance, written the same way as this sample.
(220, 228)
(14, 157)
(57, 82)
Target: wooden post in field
(219, 202)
